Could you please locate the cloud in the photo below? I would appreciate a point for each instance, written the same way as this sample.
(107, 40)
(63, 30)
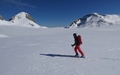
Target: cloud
(20, 3)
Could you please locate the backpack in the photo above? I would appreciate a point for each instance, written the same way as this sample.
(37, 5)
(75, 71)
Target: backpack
(79, 39)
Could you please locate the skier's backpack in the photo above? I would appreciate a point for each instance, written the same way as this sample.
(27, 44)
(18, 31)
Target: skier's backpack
(79, 39)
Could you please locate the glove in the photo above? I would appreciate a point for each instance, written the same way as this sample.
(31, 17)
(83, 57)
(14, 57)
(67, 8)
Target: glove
(72, 45)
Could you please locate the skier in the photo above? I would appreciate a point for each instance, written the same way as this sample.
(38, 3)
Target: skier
(77, 44)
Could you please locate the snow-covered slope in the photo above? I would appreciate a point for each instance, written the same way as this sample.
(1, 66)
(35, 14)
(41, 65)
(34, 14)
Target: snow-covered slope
(4, 22)
(96, 20)
(21, 19)
(31, 51)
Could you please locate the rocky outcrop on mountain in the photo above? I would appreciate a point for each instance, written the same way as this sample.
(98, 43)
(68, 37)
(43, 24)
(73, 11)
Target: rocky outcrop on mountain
(29, 17)
(1, 18)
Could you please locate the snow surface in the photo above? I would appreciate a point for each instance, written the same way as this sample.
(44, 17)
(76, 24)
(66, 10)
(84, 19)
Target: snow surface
(31, 51)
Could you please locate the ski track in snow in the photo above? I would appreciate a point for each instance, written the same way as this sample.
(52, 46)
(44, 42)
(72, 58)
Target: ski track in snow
(3, 36)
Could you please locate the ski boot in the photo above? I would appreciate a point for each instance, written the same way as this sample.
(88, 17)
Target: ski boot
(82, 57)
(76, 55)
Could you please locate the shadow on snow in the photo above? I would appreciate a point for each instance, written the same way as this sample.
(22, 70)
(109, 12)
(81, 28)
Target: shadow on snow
(57, 55)
(98, 58)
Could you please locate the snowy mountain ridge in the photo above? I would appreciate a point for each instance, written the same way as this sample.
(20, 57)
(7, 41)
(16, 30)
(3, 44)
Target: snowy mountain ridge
(96, 20)
(21, 19)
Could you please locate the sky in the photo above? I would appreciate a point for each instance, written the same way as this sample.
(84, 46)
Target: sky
(57, 13)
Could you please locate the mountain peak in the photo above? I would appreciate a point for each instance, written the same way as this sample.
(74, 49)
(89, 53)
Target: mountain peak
(22, 15)
(23, 19)
(96, 20)
(23, 12)
(95, 13)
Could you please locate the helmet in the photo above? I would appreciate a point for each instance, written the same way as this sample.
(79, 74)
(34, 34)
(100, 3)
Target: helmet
(74, 34)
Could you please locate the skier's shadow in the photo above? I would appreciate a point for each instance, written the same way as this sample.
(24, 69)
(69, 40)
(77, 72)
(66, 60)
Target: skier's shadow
(57, 55)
